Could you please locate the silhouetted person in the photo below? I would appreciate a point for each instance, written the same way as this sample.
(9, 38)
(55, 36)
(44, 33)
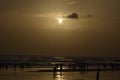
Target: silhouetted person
(6, 66)
(15, 66)
(21, 65)
(87, 67)
(56, 65)
(61, 68)
(97, 75)
(70, 66)
(54, 71)
(104, 66)
(0, 66)
(73, 66)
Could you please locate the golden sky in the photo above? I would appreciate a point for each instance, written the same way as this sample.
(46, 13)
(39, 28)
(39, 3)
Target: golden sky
(32, 27)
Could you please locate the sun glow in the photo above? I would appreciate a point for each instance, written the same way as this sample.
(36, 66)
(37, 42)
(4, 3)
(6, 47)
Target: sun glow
(60, 20)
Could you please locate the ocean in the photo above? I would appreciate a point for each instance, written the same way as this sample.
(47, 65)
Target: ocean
(73, 68)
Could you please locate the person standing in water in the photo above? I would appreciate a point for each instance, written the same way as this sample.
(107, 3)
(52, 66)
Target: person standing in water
(54, 71)
(61, 68)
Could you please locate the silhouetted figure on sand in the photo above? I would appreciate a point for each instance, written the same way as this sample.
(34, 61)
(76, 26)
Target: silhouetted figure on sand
(97, 75)
(61, 68)
(54, 71)
(98, 72)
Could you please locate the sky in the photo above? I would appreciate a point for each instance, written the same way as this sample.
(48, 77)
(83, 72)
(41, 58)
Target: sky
(32, 27)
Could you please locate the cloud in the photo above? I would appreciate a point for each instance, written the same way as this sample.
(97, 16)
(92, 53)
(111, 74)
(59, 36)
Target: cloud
(87, 16)
(72, 3)
(73, 16)
(77, 16)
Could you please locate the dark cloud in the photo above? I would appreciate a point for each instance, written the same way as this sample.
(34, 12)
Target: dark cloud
(73, 16)
(87, 16)
(76, 16)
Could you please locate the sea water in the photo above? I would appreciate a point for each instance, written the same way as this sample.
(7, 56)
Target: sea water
(19, 74)
(33, 73)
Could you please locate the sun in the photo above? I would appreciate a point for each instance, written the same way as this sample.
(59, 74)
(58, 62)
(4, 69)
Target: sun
(60, 20)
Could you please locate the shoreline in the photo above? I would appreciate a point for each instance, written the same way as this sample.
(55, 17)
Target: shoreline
(77, 70)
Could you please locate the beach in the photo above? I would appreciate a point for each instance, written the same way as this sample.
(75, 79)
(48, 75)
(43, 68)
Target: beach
(62, 68)
(24, 75)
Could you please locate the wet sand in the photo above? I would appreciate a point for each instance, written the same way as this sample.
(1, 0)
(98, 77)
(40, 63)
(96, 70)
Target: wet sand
(77, 70)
